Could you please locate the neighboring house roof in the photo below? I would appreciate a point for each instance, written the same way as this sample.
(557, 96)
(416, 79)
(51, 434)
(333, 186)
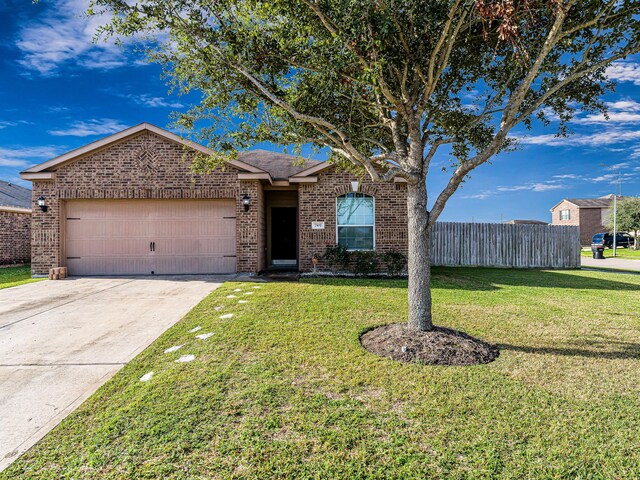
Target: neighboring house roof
(526, 222)
(280, 165)
(600, 202)
(39, 171)
(14, 196)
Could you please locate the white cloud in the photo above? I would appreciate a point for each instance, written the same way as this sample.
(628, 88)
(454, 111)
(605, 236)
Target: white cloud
(608, 137)
(64, 35)
(533, 187)
(624, 105)
(613, 177)
(477, 196)
(614, 117)
(624, 72)
(9, 123)
(567, 176)
(102, 126)
(24, 156)
(153, 102)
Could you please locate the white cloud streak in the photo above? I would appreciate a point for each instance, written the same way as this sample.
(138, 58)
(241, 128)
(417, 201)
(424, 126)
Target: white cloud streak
(24, 156)
(63, 36)
(624, 72)
(80, 128)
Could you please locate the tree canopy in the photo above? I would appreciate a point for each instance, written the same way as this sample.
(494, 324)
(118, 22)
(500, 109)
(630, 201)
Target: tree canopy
(383, 84)
(627, 217)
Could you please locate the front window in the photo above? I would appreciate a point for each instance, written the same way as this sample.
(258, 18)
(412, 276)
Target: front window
(565, 215)
(355, 213)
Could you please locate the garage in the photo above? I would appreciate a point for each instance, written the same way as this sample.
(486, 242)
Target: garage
(146, 237)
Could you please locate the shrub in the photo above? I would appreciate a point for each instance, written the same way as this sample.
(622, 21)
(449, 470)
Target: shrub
(337, 257)
(365, 263)
(396, 262)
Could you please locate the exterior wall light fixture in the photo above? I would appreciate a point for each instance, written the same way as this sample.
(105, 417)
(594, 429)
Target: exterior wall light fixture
(246, 201)
(42, 204)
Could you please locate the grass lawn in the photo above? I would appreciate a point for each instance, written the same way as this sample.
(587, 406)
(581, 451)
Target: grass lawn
(12, 276)
(626, 253)
(283, 389)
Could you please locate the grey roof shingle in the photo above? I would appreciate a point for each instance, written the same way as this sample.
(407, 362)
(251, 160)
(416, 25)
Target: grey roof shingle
(12, 195)
(281, 166)
(601, 202)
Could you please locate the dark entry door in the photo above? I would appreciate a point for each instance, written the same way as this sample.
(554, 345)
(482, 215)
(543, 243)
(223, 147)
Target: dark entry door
(284, 248)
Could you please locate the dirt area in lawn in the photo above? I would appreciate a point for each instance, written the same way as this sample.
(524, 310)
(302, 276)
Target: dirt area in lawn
(441, 346)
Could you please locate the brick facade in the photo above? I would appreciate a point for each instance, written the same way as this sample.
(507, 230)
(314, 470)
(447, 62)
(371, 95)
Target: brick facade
(588, 219)
(15, 237)
(146, 165)
(141, 166)
(317, 203)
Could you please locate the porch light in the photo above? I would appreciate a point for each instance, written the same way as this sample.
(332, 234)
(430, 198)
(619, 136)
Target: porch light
(246, 201)
(355, 185)
(41, 203)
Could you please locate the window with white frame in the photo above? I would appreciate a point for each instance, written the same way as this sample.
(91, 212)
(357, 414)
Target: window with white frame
(565, 215)
(355, 213)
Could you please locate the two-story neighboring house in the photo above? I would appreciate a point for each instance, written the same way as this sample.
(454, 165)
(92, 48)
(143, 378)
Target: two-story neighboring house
(590, 214)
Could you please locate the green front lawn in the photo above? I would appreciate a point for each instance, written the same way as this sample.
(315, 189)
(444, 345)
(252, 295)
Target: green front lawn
(12, 276)
(625, 253)
(283, 389)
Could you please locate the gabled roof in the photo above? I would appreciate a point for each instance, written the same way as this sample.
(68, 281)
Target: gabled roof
(526, 222)
(600, 202)
(50, 165)
(14, 196)
(280, 165)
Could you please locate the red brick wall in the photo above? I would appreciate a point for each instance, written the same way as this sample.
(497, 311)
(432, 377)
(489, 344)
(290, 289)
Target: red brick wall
(590, 224)
(317, 202)
(588, 219)
(15, 237)
(141, 166)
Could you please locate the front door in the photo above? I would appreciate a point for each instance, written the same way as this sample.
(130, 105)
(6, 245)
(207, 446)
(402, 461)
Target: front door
(284, 238)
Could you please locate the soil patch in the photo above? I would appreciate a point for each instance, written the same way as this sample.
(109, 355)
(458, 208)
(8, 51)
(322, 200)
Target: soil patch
(441, 346)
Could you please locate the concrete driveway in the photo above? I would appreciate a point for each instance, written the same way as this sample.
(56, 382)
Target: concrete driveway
(61, 340)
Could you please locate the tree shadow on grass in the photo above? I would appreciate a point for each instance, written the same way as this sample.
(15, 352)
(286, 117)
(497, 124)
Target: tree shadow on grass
(491, 279)
(591, 349)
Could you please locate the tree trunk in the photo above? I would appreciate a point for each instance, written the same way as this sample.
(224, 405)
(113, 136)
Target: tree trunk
(419, 258)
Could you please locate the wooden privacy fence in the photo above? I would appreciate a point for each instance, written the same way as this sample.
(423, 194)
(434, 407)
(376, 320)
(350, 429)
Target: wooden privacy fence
(505, 245)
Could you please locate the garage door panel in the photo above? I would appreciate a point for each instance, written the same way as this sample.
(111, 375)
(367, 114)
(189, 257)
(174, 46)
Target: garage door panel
(113, 237)
(125, 265)
(195, 246)
(206, 264)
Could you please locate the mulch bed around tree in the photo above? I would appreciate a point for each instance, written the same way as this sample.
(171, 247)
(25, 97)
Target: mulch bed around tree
(441, 346)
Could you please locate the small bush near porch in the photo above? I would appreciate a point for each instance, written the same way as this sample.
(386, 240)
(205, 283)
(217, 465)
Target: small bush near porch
(283, 388)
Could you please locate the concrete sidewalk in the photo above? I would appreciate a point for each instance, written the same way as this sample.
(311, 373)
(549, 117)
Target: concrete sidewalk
(612, 263)
(61, 340)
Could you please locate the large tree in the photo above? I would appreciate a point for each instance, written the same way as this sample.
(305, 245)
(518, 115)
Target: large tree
(384, 84)
(627, 218)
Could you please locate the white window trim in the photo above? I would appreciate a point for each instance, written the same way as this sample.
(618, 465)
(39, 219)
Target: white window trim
(373, 225)
(568, 214)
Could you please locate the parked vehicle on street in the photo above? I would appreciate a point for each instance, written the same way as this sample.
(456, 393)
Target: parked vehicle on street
(623, 240)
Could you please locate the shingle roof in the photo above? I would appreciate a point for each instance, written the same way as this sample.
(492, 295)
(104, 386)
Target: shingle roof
(14, 195)
(281, 166)
(526, 222)
(601, 202)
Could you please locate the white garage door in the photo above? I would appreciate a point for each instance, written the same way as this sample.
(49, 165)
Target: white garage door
(129, 237)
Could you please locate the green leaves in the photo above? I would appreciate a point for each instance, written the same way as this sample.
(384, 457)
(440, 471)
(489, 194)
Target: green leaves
(381, 82)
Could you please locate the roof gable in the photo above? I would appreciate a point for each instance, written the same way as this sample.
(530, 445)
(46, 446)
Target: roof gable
(280, 165)
(116, 137)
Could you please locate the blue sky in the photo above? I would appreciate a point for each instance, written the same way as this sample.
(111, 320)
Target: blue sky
(59, 91)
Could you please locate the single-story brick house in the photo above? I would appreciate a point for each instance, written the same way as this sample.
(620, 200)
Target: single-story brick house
(130, 204)
(15, 224)
(590, 214)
